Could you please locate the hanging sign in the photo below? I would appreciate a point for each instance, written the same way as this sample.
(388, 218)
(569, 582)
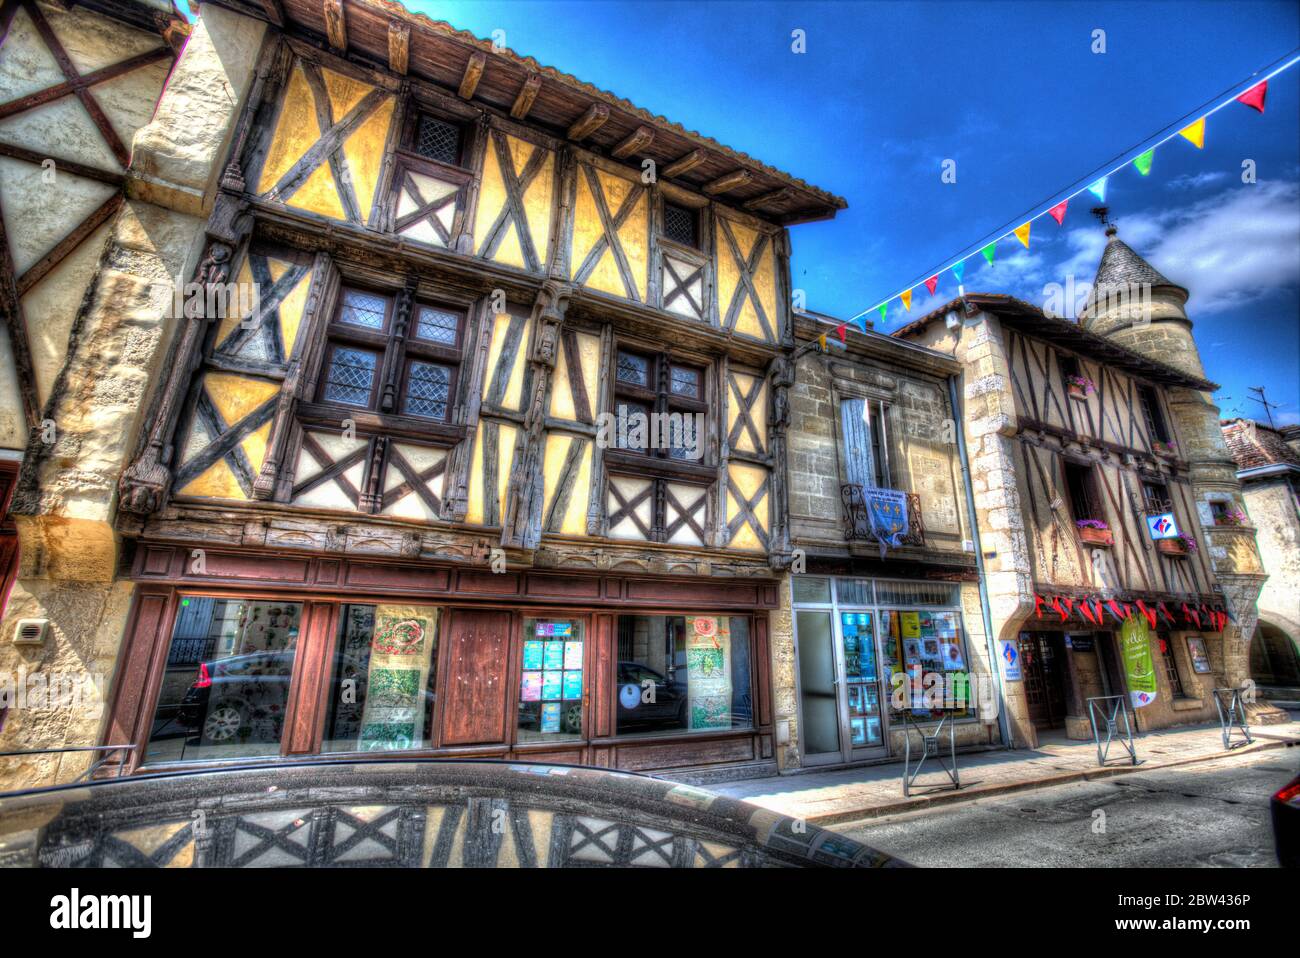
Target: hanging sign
(1139, 665)
(1162, 526)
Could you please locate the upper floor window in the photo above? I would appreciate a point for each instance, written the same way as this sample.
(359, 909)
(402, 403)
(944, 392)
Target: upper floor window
(437, 139)
(372, 365)
(682, 224)
(1154, 415)
(866, 457)
(1155, 497)
(1079, 484)
(661, 405)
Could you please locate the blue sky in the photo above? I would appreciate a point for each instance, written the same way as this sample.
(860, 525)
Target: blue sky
(885, 92)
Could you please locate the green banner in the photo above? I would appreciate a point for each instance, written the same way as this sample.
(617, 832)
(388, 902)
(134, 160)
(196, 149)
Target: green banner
(1139, 666)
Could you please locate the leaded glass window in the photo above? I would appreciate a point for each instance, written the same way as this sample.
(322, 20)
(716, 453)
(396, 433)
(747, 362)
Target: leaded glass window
(351, 376)
(428, 387)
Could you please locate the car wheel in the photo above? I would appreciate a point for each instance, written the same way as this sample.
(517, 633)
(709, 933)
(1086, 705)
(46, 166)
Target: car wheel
(222, 723)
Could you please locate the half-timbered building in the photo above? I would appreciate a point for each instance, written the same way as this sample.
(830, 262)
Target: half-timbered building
(463, 442)
(1096, 465)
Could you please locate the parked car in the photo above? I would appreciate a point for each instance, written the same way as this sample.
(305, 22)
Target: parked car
(231, 694)
(1286, 823)
(667, 710)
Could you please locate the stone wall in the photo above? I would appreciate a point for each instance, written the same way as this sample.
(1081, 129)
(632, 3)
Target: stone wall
(65, 504)
(1271, 505)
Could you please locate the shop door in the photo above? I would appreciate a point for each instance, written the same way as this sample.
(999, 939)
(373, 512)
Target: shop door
(1042, 658)
(839, 687)
(474, 702)
(1112, 681)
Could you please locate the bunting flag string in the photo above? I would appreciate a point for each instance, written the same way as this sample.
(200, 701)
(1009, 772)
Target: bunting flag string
(1194, 133)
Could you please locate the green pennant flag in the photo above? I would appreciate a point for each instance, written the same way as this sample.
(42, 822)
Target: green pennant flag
(989, 251)
(883, 310)
(1143, 162)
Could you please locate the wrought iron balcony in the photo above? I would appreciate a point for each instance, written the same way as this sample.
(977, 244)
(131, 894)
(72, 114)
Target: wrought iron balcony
(857, 520)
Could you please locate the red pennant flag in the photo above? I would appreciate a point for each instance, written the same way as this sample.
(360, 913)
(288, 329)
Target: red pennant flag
(1254, 97)
(1164, 614)
(1114, 610)
(1056, 604)
(1038, 605)
(1149, 613)
(931, 283)
(1057, 212)
(1069, 605)
(1098, 610)
(839, 331)
(1086, 612)
(1128, 611)
(1191, 615)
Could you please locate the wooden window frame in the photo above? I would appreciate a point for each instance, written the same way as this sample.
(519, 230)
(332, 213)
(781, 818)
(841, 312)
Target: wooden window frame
(1169, 663)
(1088, 489)
(1154, 415)
(660, 398)
(417, 111)
(878, 415)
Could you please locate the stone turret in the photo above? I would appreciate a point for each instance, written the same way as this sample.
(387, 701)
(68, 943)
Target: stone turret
(1134, 304)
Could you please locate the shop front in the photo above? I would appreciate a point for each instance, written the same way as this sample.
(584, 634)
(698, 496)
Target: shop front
(853, 636)
(260, 656)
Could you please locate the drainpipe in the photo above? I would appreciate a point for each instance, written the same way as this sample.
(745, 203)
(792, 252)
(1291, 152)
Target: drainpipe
(979, 560)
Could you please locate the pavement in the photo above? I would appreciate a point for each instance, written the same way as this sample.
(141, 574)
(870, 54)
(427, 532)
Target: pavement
(1212, 814)
(844, 795)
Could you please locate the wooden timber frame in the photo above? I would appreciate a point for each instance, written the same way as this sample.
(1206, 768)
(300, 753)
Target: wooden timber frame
(324, 584)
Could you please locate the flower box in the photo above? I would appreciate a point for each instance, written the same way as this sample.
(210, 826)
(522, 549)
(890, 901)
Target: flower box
(1078, 387)
(1172, 547)
(1096, 537)
(1168, 449)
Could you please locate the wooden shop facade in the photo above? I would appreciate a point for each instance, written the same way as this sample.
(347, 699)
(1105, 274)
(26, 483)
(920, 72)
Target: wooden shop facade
(396, 502)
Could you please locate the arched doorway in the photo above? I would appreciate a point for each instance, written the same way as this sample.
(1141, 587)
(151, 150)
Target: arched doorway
(1274, 661)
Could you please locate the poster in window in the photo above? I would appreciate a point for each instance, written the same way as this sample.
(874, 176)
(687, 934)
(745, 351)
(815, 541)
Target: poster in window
(1196, 649)
(401, 651)
(572, 685)
(552, 682)
(550, 716)
(532, 687)
(911, 623)
(553, 656)
(532, 654)
(931, 655)
(573, 655)
(953, 660)
(708, 671)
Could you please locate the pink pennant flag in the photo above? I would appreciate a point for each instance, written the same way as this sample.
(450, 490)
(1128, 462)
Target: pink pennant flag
(1057, 212)
(1254, 97)
(931, 283)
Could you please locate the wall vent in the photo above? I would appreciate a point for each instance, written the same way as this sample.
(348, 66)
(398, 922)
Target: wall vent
(31, 631)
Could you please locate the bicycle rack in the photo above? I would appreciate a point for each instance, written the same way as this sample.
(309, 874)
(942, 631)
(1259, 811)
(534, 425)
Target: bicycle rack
(1232, 716)
(931, 749)
(1109, 711)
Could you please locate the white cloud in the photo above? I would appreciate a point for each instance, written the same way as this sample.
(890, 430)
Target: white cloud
(1195, 181)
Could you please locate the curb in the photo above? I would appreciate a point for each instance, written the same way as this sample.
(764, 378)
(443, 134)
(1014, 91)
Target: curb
(1064, 778)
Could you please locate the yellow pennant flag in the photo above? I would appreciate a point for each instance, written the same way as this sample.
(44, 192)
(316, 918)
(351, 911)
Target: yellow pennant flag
(1194, 134)
(821, 341)
(1022, 234)
(906, 297)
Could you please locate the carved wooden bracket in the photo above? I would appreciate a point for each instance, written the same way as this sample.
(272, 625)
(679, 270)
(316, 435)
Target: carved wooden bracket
(781, 376)
(522, 525)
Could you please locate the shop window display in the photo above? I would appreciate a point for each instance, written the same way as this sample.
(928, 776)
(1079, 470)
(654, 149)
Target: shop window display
(552, 680)
(226, 684)
(683, 673)
(917, 643)
(382, 688)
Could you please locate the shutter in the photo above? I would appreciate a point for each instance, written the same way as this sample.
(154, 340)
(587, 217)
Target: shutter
(858, 466)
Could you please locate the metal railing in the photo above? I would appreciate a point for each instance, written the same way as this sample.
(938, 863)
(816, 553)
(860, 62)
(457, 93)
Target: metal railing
(95, 766)
(1109, 708)
(1232, 716)
(857, 520)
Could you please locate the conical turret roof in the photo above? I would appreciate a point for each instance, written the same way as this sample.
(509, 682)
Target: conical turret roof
(1122, 268)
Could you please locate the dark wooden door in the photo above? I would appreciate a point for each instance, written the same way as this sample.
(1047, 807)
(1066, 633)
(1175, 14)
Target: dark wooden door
(1042, 662)
(476, 677)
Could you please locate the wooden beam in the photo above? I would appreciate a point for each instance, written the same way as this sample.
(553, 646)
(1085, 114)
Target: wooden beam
(63, 166)
(527, 94)
(473, 73)
(11, 309)
(399, 46)
(685, 163)
(769, 199)
(336, 28)
(38, 270)
(86, 80)
(638, 139)
(274, 12)
(589, 122)
(728, 181)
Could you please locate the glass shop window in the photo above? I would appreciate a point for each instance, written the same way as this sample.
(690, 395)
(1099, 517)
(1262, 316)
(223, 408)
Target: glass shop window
(226, 683)
(552, 681)
(383, 678)
(916, 642)
(683, 673)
